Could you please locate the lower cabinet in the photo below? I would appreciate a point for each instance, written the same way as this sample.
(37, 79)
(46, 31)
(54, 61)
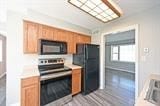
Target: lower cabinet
(76, 81)
(30, 88)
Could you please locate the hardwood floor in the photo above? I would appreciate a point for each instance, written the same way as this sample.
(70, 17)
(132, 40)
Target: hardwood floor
(119, 91)
(121, 84)
(3, 91)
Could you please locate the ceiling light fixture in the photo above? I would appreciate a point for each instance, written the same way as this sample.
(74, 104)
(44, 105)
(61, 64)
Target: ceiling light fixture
(103, 10)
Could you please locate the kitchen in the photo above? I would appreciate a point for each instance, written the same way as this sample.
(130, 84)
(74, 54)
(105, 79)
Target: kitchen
(22, 55)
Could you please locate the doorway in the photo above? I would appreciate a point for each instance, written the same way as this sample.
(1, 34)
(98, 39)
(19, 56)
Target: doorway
(2, 70)
(120, 66)
(102, 57)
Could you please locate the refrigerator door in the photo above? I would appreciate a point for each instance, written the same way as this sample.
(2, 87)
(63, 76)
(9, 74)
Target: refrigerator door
(91, 80)
(91, 69)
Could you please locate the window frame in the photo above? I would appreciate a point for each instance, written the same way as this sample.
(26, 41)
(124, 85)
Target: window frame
(114, 53)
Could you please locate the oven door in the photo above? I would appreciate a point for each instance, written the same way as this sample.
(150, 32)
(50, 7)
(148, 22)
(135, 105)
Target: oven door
(48, 47)
(54, 89)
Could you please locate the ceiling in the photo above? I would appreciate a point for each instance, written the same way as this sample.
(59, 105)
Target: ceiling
(61, 9)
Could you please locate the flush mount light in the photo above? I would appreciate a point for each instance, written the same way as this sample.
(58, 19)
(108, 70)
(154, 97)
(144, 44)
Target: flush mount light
(103, 10)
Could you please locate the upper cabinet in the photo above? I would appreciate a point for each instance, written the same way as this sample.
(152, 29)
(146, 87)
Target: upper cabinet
(33, 32)
(60, 35)
(46, 32)
(71, 43)
(80, 38)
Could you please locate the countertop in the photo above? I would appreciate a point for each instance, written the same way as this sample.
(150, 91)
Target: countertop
(140, 101)
(31, 71)
(72, 66)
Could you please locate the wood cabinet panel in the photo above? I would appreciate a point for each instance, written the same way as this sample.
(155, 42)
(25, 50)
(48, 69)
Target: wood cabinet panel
(80, 38)
(76, 81)
(60, 35)
(31, 31)
(87, 39)
(71, 43)
(30, 92)
(46, 32)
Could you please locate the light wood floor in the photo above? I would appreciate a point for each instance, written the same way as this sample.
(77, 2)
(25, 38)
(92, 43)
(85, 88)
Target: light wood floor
(3, 91)
(119, 91)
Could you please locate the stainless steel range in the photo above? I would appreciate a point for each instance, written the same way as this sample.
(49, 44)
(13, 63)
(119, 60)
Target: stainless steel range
(55, 82)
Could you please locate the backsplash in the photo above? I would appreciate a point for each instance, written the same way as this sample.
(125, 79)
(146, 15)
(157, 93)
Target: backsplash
(32, 59)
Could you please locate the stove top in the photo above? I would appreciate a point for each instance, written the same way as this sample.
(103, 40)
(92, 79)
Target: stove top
(50, 66)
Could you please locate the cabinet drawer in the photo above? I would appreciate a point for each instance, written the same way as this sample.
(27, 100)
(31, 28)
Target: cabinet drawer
(30, 81)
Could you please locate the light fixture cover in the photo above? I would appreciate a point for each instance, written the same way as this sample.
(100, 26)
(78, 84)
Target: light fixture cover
(103, 10)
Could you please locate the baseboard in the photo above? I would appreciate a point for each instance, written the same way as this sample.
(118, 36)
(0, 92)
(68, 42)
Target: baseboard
(120, 69)
(2, 75)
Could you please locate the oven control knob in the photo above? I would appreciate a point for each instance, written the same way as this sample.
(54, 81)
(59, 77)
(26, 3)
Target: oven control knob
(45, 61)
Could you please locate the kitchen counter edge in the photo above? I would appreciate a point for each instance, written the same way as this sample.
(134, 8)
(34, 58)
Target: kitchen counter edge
(30, 71)
(140, 101)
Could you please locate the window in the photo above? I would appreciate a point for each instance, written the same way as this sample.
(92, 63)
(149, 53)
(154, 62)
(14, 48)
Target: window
(124, 53)
(0, 50)
(127, 53)
(114, 53)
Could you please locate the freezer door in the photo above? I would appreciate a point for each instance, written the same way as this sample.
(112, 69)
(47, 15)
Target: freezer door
(92, 51)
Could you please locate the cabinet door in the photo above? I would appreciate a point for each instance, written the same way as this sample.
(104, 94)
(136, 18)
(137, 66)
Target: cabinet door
(30, 91)
(80, 38)
(46, 32)
(76, 81)
(71, 44)
(60, 35)
(31, 31)
(30, 96)
(87, 39)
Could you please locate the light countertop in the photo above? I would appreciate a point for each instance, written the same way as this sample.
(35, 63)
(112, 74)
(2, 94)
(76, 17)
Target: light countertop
(72, 66)
(140, 101)
(30, 71)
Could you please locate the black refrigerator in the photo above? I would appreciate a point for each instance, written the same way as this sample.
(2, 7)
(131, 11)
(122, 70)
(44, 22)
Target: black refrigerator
(87, 56)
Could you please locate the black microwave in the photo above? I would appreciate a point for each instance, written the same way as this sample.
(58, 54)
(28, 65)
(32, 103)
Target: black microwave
(48, 47)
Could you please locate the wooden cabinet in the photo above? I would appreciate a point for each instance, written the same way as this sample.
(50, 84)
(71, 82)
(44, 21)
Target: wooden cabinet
(80, 38)
(60, 35)
(76, 81)
(46, 32)
(31, 31)
(71, 43)
(30, 88)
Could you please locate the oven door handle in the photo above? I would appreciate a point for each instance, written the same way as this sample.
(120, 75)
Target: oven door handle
(55, 75)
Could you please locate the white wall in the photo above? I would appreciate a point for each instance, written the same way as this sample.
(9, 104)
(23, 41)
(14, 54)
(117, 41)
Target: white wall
(2, 27)
(149, 31)
(16, 60)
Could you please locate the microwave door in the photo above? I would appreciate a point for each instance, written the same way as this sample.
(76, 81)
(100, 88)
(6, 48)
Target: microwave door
(52, 47)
